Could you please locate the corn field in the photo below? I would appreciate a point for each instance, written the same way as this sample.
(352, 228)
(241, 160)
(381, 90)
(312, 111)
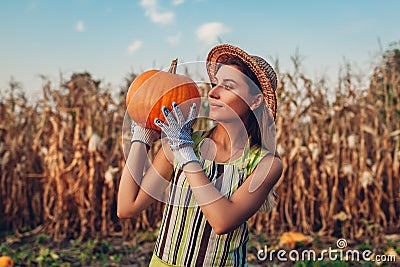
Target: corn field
(61, 159)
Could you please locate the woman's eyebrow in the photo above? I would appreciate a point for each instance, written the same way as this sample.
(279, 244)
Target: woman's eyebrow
(230, 80)
(226, 80)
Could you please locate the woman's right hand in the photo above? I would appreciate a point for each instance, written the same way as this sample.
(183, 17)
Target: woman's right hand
(144, 135)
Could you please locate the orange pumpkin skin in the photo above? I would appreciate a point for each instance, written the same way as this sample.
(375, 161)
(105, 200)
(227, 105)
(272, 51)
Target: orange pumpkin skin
(6, 261)
(153, 89)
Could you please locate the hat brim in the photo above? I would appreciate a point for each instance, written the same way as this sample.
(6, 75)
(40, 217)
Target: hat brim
(224, 51)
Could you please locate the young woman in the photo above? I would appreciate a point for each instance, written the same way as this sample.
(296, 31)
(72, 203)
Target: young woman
(218, 178)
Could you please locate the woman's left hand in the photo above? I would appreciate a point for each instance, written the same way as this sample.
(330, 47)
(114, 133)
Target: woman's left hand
(178, 131)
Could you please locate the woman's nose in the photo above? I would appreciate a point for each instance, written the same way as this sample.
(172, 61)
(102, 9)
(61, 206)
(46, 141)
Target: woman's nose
(214, 92)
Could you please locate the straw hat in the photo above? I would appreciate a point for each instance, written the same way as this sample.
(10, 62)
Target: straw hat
(263, 71)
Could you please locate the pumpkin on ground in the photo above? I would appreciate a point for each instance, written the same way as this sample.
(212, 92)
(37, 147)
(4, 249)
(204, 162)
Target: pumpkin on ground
(153, 89)
(291, 239)
(6, 261)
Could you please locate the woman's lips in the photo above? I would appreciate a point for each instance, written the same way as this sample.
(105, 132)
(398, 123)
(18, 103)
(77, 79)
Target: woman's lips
(215, 105)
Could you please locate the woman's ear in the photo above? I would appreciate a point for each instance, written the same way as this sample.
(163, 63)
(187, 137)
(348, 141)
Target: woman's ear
(256, 102)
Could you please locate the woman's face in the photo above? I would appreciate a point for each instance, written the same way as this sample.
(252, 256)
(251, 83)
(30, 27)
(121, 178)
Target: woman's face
(230, 96)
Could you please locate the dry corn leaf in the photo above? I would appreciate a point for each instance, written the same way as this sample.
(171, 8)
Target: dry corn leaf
(5, 160)
(94, 143)
(366, 179)
(109, 175)
(341, 216)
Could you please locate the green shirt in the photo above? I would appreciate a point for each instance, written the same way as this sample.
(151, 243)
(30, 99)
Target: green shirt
(186, 238)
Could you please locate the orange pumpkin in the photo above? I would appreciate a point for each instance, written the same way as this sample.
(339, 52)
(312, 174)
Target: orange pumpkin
(290, 239)
(6, 261)
(153, 89)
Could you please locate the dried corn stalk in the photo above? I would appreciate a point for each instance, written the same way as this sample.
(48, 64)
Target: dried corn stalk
(60, 160)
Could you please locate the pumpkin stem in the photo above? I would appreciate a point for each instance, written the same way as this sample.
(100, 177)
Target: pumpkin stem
(173, 67)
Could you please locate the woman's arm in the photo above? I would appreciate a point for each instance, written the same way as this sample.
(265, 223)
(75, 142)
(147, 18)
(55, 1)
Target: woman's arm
(136, 192)
(224, 215)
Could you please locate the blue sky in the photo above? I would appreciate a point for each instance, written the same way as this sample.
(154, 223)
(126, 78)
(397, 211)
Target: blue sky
(112, 38)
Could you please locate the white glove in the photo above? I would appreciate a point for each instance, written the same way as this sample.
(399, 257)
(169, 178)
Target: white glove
(178, 131)
(144, 135)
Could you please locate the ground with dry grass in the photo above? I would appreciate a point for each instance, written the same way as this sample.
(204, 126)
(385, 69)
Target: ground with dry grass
(41, 250)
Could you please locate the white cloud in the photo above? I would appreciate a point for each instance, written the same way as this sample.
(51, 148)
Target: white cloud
(80, 26)
(174, 40)
(153, 12)
(136, 45)
(32, 5)
(177, 2)
(209, 32)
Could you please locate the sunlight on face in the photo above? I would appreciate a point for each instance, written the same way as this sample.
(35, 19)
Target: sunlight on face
(230, 96)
